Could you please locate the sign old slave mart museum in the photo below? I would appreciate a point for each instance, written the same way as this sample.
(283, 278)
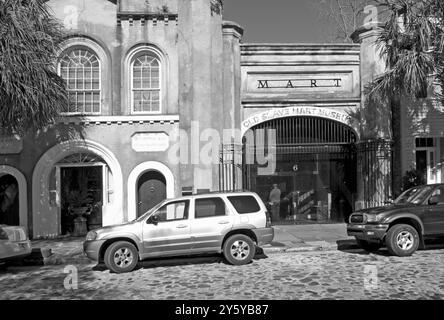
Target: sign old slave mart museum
(138, 75)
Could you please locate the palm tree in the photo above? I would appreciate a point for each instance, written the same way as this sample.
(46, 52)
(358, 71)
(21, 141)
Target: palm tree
(31, 92)
(411, 43)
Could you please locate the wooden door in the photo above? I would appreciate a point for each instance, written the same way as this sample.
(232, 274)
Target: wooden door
(151, 188)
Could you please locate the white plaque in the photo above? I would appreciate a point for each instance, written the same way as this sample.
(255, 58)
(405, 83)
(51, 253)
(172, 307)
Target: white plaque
(150, 142)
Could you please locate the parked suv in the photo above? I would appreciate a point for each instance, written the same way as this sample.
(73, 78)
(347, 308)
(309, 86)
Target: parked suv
(231, 223)
(416, 215)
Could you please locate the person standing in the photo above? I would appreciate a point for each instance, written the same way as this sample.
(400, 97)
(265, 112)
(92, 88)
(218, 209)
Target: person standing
(275, 199)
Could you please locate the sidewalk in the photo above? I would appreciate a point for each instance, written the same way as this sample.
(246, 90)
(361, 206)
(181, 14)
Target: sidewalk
(288, 238)
(310, 237)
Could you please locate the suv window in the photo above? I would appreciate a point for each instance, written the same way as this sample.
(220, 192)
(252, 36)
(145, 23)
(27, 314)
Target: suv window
(173, 211)
(244, 204)
(209, 207)
(439, 193)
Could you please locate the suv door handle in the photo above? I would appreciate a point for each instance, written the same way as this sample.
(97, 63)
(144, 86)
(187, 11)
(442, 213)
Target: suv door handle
(224, 222)
(181, 226)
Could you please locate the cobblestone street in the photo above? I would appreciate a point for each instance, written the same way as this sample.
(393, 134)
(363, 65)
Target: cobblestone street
(308, 275)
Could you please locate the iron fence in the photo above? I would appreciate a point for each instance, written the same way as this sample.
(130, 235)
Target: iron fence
(375, 168)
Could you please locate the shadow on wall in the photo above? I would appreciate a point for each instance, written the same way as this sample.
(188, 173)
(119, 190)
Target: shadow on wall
(61, 132)
(425, 117)
(374, 150)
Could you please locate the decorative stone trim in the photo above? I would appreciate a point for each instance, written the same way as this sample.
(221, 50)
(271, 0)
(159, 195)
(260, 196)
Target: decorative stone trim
(145, 18)
(109, 120)
(250, 49)
(232, 28)
(268, 103)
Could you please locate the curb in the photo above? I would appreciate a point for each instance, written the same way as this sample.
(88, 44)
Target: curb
(332, 247)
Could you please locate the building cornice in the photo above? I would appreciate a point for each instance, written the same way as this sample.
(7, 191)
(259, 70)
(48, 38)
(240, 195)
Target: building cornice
(299, 49)
(366, 31)
(230, 27)
(274, 103)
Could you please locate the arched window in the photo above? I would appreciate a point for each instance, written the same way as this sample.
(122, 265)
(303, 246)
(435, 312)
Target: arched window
(145, 83)
(80, 68)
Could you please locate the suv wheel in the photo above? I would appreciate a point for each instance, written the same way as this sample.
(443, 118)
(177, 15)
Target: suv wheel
(402, 240)
(121, 257)
(239, 249)
(369, 246)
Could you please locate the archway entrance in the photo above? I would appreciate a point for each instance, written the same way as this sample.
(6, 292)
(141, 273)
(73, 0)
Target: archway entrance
(47, 181)
(82, 185)
(9, 200)
(151, 189)
(315, 176)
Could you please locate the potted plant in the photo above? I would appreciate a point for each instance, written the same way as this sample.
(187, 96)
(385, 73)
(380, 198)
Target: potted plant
(80, 204)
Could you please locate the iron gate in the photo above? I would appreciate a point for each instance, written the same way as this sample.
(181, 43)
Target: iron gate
(375, 165)
(230, 167)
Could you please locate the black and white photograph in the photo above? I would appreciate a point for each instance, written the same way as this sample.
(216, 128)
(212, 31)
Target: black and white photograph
(229, 152)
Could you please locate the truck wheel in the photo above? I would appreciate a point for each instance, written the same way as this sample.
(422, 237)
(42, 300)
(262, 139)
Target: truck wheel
(239, 249)
(368, 246)
(121, 257)
(402, 240)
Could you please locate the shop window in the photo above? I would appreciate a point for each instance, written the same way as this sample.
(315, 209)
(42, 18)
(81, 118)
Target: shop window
(80, 68)
(210, 207)
(424, 142)
(146, 83)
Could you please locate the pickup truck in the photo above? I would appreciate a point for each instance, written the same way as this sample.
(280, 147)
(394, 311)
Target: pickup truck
(403, 226)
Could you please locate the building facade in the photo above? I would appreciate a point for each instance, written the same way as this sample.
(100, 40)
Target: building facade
(166, 100)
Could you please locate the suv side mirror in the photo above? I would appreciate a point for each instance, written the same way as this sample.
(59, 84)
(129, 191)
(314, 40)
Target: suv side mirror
(154, 219)
(433, 200)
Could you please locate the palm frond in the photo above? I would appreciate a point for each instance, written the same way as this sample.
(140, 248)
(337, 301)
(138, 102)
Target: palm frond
(31, 93)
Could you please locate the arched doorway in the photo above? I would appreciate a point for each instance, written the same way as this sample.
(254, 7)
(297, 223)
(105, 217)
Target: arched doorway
(151, 189)
(315, 168)
(47, 185)
(133, 183)
(13, 197)
(9, 200)
(83, 188)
